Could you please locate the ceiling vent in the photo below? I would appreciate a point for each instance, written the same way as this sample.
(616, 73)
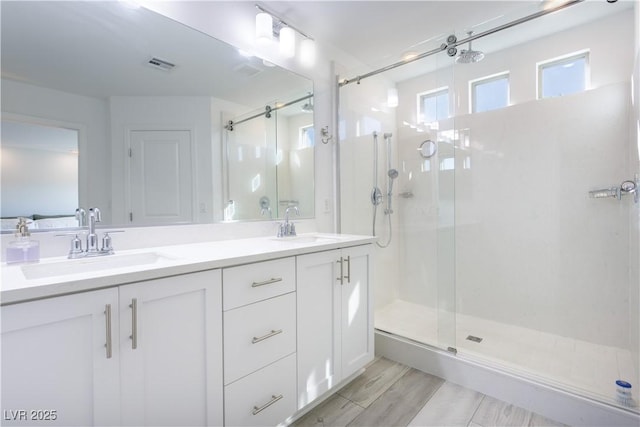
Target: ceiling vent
(160, 64)
(247, 70)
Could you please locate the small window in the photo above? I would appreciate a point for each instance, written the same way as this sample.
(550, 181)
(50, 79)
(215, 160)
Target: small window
(563, 76)
(306, 138)
(433, 105)
(490, 93)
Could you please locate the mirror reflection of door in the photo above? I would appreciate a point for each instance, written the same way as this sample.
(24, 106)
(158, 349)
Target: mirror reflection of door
(161, 177)
(39, 173)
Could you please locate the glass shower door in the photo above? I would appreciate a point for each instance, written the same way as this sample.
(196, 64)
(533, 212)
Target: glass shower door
(414, 274)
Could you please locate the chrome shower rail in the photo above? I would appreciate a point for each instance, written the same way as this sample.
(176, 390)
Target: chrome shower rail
(453, 42)
(267, 112)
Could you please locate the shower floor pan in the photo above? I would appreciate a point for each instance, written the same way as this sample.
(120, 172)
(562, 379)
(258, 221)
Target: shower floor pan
(578, 366)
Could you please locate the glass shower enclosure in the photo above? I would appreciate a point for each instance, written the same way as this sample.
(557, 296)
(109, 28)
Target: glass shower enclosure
(515, 223)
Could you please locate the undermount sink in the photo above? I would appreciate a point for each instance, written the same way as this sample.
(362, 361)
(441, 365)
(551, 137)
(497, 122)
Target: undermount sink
(85, 265)
(308, 238)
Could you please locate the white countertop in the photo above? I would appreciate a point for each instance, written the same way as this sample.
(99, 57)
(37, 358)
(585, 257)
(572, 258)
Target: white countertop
(56, 276)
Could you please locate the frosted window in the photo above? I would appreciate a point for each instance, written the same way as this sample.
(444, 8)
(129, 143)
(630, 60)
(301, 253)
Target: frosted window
(447, 164)
(490, 93)
(306, 137)
(434, 105)
(563, 76)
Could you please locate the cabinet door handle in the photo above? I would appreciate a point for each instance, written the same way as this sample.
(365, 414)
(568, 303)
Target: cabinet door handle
(264, 337)
(348, 276)
(108, 345)
(341, 278)
(273, 400)
(134, 323)
(266, 282)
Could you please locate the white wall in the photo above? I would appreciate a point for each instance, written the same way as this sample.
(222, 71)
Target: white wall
(532, 249)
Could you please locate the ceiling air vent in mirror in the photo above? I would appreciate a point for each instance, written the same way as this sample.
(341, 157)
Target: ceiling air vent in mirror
(160, 64)
(247, 70)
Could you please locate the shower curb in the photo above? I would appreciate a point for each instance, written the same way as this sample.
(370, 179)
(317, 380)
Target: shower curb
(559, 405)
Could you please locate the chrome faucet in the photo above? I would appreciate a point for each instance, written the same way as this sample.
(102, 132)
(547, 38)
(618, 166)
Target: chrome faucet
(287, 228)
(92, 237)
(94, 216)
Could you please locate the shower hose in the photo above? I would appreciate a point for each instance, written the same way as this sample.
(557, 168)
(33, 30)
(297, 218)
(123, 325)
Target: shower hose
(382, 245)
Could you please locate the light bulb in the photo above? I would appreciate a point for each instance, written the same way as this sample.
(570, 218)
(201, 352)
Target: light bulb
(287, 42)
(264, 27)
(307, 52)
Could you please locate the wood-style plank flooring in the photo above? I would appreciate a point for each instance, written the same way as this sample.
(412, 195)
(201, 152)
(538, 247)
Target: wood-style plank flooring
(389, 394)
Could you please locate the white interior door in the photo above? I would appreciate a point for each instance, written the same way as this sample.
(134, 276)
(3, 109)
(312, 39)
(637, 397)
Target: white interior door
(161, 177)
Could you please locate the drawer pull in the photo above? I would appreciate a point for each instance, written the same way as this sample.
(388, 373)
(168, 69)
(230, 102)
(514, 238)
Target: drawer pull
(273, 400)
(264, 337)
(266, 282)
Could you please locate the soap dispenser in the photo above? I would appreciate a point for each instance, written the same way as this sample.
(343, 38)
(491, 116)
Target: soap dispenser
(23, 249)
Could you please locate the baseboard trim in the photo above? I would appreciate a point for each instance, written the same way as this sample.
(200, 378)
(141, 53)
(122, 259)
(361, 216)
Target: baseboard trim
(550, 402)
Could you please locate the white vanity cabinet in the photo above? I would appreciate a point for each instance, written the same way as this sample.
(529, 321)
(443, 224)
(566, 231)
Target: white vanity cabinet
(170, 351)
(60, 361)
(247, 342)
(147, 353)
(335, 323)
(260, 343)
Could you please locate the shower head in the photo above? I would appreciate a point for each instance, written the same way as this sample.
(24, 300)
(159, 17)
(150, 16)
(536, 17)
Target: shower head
(392, 174)
(307, 108)
(467, 56)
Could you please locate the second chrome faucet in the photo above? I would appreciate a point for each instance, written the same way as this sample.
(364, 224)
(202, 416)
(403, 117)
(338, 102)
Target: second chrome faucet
(287, 228)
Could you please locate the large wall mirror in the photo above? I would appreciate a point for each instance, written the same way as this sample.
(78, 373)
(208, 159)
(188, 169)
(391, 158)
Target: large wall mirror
(147, 100)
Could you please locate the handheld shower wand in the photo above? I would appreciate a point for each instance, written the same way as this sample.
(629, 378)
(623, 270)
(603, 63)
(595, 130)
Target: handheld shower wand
(376, 195)
(392, 174)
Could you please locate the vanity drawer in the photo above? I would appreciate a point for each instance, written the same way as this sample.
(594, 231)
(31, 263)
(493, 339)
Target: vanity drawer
(250, 283)
(264, 398)
(258, 334)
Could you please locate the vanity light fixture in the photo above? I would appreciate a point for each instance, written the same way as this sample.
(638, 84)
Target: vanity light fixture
(269, 27)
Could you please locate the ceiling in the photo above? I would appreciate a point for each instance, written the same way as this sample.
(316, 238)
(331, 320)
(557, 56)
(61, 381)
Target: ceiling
(377, 33)
(36, 37)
